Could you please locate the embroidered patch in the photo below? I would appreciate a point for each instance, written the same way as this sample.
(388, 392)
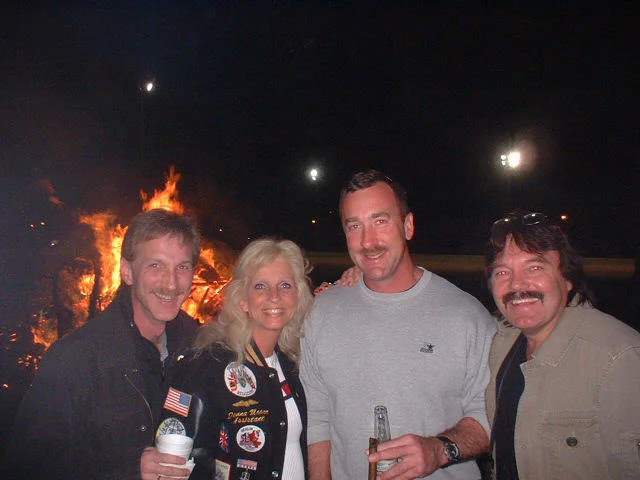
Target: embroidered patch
(250, 438)
(244, 475)
(247, 464)
(223, 471)
(427, 348)
(171, 425)
(239, 379)
(245, 403)
(223, 440)
(178, 402)
(286, 389)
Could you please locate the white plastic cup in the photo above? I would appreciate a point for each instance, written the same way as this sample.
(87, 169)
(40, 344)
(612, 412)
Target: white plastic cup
(175, 444)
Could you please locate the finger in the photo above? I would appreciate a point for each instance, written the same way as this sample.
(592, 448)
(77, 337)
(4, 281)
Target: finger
(172, 459)
(400, 470)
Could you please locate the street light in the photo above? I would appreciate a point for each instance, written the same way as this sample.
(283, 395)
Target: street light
(146, 89)
(511, 160)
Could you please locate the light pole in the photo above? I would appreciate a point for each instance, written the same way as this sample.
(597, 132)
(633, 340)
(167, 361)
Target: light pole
(146, 89)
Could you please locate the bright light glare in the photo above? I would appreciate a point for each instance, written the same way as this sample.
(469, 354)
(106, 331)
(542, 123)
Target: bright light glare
(513, 159)
(149, 86)
(564, 217)
(313, 174)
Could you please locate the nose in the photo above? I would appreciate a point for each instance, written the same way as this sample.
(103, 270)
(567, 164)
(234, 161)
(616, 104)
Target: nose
(171, 278)
(368, 236)
(275, 294)
(518, 280)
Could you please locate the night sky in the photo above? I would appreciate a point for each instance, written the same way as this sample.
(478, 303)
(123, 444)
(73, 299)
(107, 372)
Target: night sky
(250, 95)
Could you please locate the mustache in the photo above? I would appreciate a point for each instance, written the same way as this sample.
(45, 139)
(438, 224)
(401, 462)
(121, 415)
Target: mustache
(174, 292)
(372, 251)
(507, 297)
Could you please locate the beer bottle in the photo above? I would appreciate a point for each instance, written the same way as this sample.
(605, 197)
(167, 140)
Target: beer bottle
(382, 433)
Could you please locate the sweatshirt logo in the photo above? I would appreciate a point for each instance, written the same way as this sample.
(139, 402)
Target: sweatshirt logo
(428, 348)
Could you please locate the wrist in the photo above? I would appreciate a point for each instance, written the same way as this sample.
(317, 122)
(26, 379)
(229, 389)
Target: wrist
(450, 453)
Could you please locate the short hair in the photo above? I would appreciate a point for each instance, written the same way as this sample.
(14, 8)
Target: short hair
(232, 329)
(369, 178)
(157, 223)
(538, 237)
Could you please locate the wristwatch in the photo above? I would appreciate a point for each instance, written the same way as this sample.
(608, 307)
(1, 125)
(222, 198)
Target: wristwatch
(451, 450)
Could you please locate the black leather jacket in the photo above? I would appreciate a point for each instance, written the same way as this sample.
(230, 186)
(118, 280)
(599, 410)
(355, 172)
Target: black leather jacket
(89, 412)
(236, 414)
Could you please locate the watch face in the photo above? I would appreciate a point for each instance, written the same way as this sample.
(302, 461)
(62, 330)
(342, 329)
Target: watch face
(451, 450)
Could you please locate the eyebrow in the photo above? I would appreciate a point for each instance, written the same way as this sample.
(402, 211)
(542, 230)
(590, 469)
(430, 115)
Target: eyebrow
(373, 215)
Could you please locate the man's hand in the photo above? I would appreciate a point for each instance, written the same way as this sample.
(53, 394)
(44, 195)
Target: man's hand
(418, 456)
(350, 277)
(150, 468)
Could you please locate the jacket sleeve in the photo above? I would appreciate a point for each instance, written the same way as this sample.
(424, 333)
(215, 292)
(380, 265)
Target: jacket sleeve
(46, 440)
(620, 407)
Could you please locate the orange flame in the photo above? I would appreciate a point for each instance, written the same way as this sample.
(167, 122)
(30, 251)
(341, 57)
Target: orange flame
(167, 198)
(210, 277)
(205, 295)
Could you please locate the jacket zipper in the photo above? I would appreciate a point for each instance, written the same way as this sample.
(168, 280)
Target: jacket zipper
(135, 387)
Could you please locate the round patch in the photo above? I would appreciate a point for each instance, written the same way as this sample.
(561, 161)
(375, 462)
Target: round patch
(240, 380)
(171, 425)
(250, 438)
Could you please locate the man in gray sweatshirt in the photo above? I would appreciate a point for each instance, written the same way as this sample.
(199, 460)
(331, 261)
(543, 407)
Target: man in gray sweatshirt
(404, 338)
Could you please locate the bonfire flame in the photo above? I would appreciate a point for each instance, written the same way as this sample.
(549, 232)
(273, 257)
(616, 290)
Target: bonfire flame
(209, 278)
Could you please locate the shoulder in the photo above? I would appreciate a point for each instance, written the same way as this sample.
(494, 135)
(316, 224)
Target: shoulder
(602, 330)
(443, 295)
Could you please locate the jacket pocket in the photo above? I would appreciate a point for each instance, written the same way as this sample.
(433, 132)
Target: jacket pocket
(572, 445)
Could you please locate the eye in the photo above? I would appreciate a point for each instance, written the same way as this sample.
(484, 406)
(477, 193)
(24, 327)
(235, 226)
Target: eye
(499, 273)
(381, 221)
(154, 265)
(286, 285)
(259, 286)
(185, 266)
(352, 227)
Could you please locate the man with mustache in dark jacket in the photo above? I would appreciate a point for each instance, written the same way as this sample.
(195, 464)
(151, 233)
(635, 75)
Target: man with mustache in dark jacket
(95, 401)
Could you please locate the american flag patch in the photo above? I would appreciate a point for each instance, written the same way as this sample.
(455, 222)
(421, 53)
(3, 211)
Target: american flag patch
(178, 402)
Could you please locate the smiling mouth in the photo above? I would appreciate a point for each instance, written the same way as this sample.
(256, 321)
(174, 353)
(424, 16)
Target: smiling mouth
(167, 297)
(274, 311)
(372, 254)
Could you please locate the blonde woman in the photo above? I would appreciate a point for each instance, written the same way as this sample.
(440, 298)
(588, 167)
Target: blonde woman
(239, 395)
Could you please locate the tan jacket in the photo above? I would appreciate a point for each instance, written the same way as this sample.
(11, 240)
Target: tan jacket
(579, 414)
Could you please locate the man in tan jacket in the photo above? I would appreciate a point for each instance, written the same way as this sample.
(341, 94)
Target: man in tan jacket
(564, 398)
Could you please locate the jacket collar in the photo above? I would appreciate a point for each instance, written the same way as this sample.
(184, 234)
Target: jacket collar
(553, 351)
(254, 355)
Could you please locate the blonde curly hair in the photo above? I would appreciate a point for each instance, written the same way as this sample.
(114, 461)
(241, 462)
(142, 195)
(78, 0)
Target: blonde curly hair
(233, 329)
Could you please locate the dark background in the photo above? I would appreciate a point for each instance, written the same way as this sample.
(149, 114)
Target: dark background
(250, 95)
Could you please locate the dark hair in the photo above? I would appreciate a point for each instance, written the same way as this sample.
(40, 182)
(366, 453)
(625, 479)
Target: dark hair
(157, 223)
(369, 178)
(539, 237)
